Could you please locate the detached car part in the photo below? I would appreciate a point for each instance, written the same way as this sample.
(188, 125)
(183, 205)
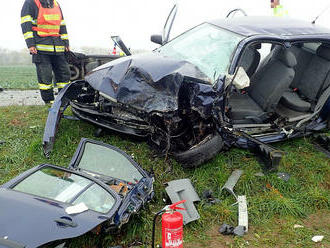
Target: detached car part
(270, 155)
(179, 190)
(231, 182)
(102, 187)
(243, 219)
(55, 114)
(243, 226)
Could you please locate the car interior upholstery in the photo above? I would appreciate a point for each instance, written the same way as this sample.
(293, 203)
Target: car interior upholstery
(250, 59)
(312, 78)
(288, 82)
(268, 85)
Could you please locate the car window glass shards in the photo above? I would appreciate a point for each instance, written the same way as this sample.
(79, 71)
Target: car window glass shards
(108, 162)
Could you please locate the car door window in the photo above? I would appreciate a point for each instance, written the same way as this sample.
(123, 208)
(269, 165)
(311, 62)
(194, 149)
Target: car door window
(265, 50)
(53, 184)
(169, 23)
(96, 198)
(106, 161)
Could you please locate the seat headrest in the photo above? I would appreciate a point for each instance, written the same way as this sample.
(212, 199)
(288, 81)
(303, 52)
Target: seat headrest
(287, 58)
(323, 51)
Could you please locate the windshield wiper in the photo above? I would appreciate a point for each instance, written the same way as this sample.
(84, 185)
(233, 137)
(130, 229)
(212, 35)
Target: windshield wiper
(214, 75)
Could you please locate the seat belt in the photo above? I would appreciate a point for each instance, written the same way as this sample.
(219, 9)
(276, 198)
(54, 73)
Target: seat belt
(326, 80)
(322, 100)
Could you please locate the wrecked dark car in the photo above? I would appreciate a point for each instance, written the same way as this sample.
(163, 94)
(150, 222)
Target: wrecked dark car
(48, 204)
(244, 82)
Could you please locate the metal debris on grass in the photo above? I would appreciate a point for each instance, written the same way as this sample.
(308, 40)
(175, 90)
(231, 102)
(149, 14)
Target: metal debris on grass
(182, 189)
(284, 176)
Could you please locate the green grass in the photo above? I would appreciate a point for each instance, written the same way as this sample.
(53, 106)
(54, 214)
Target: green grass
(274, 205)
(18, 77)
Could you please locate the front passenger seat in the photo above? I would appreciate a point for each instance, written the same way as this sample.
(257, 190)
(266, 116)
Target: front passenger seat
(250, 59)
(267, 87)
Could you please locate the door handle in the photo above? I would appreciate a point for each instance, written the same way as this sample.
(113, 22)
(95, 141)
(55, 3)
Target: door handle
(65, 221)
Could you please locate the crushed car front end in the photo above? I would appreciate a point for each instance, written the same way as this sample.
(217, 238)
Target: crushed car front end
(167, 96)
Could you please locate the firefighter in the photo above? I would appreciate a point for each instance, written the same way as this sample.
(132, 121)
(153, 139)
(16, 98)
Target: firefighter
(45, 33)
(278, 9)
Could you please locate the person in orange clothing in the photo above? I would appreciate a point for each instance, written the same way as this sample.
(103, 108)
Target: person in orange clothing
(46, 37)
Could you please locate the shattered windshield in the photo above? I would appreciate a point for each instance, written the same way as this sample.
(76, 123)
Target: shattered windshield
(208, 47)
(106, 161)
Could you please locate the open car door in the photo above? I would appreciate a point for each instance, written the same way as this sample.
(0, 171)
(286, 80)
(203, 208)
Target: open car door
(168, 24)
(119, 171)
(118, 42)
(164, 38)
(102, 160)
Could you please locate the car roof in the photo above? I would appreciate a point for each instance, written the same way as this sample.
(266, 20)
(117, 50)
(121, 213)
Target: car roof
(278, 26)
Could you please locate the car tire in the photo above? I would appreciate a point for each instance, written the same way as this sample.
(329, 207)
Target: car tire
(74, 72)
(200, 153)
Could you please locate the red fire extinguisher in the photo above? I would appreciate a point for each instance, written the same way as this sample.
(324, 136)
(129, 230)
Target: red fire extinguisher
(172, 226)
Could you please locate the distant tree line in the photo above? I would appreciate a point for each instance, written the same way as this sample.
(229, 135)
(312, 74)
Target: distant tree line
(22, 57)
(11, 57)
(104, 51)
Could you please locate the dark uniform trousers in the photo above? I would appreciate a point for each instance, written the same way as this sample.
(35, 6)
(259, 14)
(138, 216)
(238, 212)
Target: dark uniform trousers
(47, 64)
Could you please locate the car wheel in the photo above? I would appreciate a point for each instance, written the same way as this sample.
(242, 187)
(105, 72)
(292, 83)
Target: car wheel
(74, 71)
(201, 152)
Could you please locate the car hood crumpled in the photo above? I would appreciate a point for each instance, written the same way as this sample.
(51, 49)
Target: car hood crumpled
(148, 82)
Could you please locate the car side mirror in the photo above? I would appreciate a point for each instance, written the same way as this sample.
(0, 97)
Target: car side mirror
(157, 38)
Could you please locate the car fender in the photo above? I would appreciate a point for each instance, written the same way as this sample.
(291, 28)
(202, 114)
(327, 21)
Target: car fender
(55, 114)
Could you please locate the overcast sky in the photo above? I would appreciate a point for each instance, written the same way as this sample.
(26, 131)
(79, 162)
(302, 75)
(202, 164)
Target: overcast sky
(91, 23)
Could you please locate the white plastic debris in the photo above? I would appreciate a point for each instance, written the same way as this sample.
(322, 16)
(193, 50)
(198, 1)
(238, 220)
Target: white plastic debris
(76, 209)
(318, 238)
(242, 212)
(298, 226)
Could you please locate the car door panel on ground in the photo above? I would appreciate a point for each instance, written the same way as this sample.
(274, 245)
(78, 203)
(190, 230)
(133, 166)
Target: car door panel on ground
(49, 203)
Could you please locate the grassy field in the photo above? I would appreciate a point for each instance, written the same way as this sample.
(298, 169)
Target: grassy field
(18, 77)
(274, 205)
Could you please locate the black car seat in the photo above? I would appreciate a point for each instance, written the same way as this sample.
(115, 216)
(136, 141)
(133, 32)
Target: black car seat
(267, 87)
(314, 78)
(250, 59)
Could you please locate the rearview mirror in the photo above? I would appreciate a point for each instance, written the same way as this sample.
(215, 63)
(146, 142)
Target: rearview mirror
(156, 38)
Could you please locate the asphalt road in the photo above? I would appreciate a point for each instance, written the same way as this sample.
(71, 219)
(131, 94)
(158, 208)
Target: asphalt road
(20, 97)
